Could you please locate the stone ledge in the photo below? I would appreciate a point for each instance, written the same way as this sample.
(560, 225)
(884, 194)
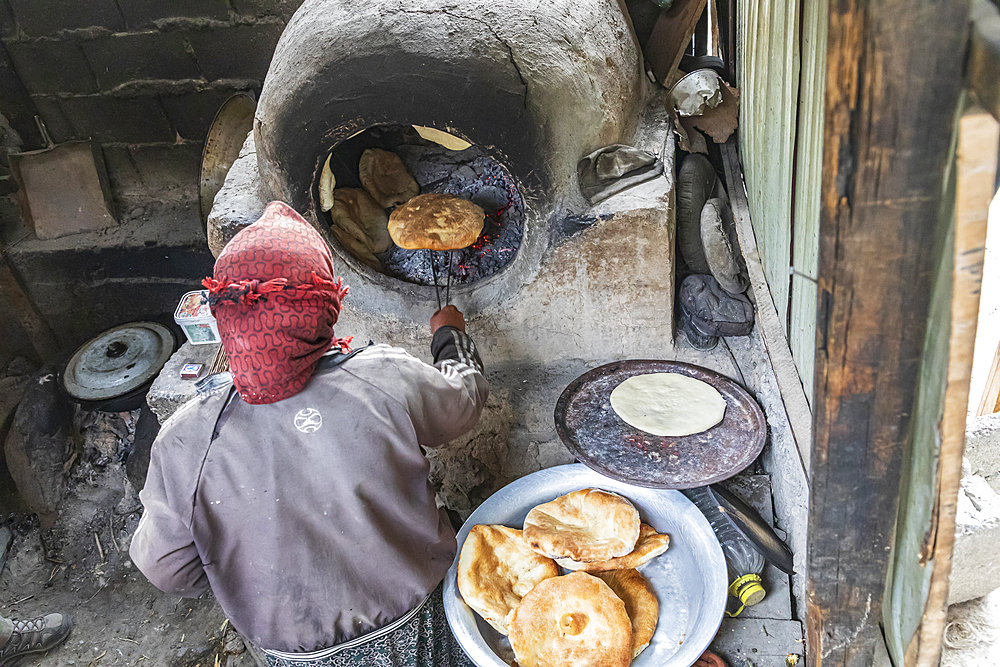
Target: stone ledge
(169, 392)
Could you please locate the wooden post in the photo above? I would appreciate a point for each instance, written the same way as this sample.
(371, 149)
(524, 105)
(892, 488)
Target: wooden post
(894, 74)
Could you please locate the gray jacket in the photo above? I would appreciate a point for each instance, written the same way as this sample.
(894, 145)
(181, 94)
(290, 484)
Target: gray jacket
(312, 519)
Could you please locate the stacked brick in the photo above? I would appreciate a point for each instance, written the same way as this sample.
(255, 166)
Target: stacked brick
(131, 73)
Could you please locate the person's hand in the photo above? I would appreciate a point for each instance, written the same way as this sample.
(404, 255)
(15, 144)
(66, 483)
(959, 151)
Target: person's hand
(449, 316)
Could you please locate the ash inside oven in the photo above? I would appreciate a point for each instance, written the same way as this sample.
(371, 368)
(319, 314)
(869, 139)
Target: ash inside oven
(470, 174)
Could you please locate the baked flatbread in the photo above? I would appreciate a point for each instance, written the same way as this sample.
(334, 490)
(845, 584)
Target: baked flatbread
(640, 602)
(649, 545)
(385, 177)
(586, 526)
(436, 222)
(571, 621)
(668, 404)
(496, 569)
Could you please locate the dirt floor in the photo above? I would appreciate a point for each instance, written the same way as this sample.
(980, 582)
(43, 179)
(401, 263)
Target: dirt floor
(81, 567)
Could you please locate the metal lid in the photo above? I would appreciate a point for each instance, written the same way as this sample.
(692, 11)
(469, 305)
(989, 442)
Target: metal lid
(232, 123)
(118, 361)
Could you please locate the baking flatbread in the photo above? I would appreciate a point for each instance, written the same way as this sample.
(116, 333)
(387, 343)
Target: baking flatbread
(436, 222)
(649, 545)
(495, 571)
(668, 404)
(640, 602)
(586, 526)
(385, 177)
(571, 621)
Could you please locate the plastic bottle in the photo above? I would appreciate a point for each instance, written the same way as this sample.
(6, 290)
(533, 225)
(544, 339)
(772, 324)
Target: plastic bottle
(743, 560)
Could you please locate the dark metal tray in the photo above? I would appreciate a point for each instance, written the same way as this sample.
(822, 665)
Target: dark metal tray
(598, 437)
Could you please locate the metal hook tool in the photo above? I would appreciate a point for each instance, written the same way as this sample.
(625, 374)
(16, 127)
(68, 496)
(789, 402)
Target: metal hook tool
(437, 290)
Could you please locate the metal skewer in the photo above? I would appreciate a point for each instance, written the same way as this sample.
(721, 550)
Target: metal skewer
(451, 260)
(437, 291)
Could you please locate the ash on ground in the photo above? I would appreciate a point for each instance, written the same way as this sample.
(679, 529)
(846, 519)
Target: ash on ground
(81, 567)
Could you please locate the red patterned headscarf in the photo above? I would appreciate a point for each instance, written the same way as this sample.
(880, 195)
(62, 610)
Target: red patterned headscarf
(275, 299)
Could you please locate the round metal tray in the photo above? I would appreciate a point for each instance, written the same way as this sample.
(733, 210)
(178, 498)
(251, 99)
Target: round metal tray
(597, 436)
(689, 579)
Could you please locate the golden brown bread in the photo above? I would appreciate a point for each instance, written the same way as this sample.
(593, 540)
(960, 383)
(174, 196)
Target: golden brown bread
(640, 602)
(495, 570)
(585, 526)
(649, 545)
(436, 222)
(571, 621)
(385, 177)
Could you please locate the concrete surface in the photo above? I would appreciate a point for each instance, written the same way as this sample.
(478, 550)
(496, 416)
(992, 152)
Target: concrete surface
(975, 569)
(169, 391)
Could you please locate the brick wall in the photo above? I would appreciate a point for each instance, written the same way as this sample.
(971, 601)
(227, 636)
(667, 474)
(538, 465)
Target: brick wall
(134, 73)
(144, 78)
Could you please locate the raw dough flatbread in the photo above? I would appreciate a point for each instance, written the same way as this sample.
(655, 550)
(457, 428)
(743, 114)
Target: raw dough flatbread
(571, 621)
(668, 404)
(650, 545)
(586, 525)
(496, 569)
(640, 602)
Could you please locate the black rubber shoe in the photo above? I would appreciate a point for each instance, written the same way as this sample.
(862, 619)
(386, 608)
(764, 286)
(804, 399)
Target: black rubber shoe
(35, 636)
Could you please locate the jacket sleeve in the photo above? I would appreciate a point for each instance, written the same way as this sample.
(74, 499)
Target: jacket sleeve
(163, 545)
(451, 395)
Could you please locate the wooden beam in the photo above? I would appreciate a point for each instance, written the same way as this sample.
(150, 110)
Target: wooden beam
(979, 138)
(894, 74)
(991, 394)
(671, 37)
(984, 55)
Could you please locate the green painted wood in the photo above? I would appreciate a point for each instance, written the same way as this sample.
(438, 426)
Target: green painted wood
(768, 74)
(808, 182)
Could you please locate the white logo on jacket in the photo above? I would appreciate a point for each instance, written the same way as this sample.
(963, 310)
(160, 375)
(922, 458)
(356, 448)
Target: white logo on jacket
(308, 420)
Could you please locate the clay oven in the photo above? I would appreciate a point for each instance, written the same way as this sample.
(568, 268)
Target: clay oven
(495, 100)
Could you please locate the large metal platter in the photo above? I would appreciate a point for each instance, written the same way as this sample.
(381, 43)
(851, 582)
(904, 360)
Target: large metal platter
(689, 579)
(117, 361)
(230, 127)
(597, 436)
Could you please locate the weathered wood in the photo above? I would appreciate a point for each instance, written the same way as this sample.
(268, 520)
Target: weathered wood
(894, 73)
(808, 179)
(768, 65)
(979, 137)
(984, 55)
(990, 401)
(671, 36)
(793, 397)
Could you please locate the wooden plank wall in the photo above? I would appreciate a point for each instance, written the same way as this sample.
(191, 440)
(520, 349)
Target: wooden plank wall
(808, 177)
(781, 68)
(894, 75)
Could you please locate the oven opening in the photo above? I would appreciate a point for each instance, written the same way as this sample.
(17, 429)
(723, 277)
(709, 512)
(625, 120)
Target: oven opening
(438, 162)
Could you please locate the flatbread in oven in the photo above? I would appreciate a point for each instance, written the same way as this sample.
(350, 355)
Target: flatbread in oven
(496, 569)
(585, 526)
(384, 176)
(668, 404)
(649, 545)
(436, 222)
(640, 602)
(571, 621)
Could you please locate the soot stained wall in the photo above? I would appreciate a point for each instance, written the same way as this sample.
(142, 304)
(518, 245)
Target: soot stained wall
(144, 79)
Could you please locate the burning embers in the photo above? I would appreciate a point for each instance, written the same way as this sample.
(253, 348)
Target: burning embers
(469, 174)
